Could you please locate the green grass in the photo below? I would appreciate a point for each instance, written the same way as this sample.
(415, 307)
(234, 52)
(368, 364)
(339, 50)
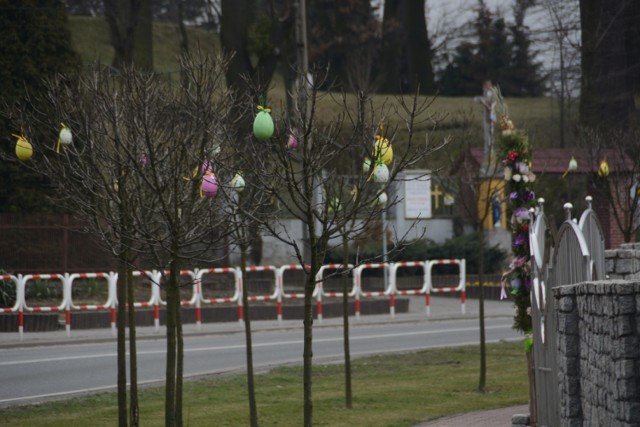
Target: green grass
(539, 117)
(389, 390)
(90, 37)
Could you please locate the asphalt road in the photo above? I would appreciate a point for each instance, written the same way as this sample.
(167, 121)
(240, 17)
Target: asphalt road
(33, 374)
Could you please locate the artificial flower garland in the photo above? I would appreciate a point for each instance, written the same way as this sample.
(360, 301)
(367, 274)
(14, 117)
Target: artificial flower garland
(516, 155)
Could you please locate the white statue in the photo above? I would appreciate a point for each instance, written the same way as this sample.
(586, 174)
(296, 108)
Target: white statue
(489, 114)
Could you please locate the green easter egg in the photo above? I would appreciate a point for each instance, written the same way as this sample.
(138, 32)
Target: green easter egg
(263, 126)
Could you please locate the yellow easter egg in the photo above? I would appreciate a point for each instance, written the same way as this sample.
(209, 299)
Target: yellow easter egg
(382, 150)
(24, 150)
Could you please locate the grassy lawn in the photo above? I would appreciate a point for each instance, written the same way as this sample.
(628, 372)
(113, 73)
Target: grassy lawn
(389, 390)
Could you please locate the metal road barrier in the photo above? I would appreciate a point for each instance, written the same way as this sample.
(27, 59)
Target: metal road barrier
(357, 278)
(393, 275)
(320, 286)
(461, 263)
(235, 298)
(234, 294)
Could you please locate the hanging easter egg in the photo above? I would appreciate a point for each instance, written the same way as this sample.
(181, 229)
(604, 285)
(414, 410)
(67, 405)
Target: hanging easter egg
(65, 138)
(292, 143)
(366, 165)
(335, 205)
(382, 150)
(382, 199)
(237, 183)
(205, 169)
(263, 124)
(24, 149)
(573, 164)
(381, 173)
(209, 186)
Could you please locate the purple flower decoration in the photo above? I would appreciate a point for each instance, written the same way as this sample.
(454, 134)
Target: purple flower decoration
(528, 196)
(513, 195)
(518, 240)
(523, 168)
(521, 214)
(527, 284)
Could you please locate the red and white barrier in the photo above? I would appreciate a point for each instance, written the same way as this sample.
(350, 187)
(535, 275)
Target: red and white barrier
(461, 283)
(110, 304)
(235, 298)
(357, 279)
(319, 292)
(197, 297)
(393, 272)
(269, 297)
(280, 287)
(18, 305)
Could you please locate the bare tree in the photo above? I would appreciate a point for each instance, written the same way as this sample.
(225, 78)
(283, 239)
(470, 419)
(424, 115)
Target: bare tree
(616, 157)
(135, 140)
(313, 182)
(479, 181)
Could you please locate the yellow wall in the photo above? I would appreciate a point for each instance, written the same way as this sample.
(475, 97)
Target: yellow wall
(487, 188)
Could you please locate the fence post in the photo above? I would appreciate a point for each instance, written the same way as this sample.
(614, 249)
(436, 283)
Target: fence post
(462, 285)
(66, 300)
(240, 290)
(112, 279)
(21, 303)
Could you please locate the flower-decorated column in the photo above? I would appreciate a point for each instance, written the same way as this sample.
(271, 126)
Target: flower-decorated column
(516, 159)
(516, 155)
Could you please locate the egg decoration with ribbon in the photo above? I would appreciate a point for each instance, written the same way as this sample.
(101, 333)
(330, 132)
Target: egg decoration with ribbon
(263, 123)
(237, 183)
(335, 205)
(209, 186)
(381, 172)
(65, 137)
(24, 149)
(292, 143)
(382, 150)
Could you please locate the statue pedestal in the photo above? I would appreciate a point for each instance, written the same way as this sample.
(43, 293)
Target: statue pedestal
(500, 237)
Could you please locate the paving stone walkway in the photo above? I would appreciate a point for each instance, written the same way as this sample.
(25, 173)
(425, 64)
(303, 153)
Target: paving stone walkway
(491, 418)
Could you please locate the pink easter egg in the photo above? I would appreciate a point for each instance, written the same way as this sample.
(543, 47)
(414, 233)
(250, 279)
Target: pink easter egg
(292, 144)
(209, 186)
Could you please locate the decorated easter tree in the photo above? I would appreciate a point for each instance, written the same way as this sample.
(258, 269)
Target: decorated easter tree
(136, 160)
(312, 168)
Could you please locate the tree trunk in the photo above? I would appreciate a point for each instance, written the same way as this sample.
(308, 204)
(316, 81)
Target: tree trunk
(307, 354)
(121, 17)
(121, 317)
(606, 91)
(253, 410)
(133, 356)
(173, 302)
(345, 321)
(143, 37)
(483, 347)
(419, 48)
(179, 361)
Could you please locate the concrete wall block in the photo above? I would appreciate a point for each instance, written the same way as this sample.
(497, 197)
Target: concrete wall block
(610, 253)
(610, 265)
(627, 265)
(629, 253)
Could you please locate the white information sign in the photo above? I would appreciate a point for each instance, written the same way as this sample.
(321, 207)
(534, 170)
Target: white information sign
(417, 195)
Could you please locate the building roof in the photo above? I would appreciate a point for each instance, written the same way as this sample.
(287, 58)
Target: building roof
(556, 160)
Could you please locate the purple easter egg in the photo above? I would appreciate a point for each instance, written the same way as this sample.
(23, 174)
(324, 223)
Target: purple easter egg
(209, 186)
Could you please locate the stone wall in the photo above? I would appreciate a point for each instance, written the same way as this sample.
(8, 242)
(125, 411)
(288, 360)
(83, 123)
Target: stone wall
(599, 352)
(623, 263)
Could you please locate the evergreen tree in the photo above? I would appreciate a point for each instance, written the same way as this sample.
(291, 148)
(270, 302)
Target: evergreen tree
(35, 44)
(338, 29)
(526, 75)
(499, 53)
